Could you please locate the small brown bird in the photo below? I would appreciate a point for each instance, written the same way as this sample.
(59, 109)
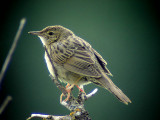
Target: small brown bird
(75, 61)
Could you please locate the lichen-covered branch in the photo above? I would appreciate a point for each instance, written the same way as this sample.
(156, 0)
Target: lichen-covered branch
(75, 105)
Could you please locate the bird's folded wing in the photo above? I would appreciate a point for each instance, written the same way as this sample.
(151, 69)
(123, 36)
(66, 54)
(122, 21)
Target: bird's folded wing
(82, 63)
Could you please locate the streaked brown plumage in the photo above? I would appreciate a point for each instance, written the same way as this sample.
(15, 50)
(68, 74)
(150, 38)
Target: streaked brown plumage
(75, 59)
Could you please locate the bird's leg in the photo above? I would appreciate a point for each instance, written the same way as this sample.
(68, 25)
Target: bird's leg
(67, 85)
(80, 89)
(68, 89)
(75, 84)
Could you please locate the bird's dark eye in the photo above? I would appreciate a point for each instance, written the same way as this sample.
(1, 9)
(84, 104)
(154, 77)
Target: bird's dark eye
(50, 33)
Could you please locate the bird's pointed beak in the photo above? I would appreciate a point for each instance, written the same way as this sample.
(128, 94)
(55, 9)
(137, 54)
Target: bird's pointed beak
(35, 32)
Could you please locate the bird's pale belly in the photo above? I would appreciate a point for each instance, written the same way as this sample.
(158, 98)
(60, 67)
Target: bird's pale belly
(70, 77)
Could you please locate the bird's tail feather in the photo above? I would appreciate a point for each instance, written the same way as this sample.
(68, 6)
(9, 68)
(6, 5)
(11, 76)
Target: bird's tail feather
(110, 86)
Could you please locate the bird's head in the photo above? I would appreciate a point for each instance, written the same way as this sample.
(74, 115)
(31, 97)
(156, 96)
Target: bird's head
(52, 34)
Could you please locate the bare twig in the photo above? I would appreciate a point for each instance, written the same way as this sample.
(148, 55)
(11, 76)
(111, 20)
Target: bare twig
(50, 117)
(92, 93)
(5, 103)
(12, 49)
(8, 60)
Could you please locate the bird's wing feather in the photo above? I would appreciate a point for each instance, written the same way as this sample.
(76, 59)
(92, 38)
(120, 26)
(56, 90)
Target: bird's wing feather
(102, 62)
(82, 62)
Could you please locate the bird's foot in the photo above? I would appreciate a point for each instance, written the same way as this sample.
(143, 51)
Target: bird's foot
(68, 90)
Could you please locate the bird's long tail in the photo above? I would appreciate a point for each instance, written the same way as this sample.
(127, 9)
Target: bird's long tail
(107, 83)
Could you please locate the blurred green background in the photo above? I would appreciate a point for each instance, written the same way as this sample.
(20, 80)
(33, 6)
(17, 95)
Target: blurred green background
(125, 32)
